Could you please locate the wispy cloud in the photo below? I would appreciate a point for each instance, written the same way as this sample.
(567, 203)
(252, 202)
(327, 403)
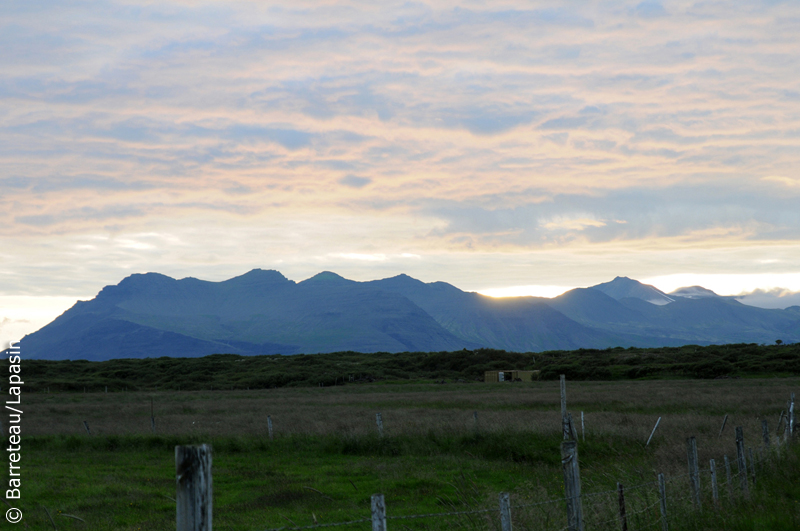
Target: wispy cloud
(421, 127)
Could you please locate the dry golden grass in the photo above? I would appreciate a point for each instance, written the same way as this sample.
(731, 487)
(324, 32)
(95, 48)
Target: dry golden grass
(625, 409)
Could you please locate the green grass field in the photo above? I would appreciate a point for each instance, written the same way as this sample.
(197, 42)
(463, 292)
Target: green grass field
(326, 459)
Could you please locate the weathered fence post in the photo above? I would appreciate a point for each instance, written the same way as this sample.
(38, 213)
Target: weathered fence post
(86, 425)
(269, 426)
(193, 479)
(728, 476)
(564, 425)
(724, 420)
(662, 496)
(653, 432)
(475, 421)
(583, 428)
(694, 472)
(623, 518)
(378, 513)
(791, 417)
(505, 512)
(379, 423)
(765, 433)
(741, 462)
(572, 431)
(714, 488)
(572, 485)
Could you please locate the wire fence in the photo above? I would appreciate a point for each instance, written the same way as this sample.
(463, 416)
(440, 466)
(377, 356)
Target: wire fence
(650, 504)
(640, 506)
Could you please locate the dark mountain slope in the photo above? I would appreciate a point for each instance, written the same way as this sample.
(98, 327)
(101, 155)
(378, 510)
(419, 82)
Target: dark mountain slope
(624, 287)
(516, 323)
(255, 313)
(703, 320)
(263, 312)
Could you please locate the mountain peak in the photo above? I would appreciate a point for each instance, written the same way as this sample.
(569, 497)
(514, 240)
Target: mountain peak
(136, 282)
(261, 276)
(624, 287)
(328, 277)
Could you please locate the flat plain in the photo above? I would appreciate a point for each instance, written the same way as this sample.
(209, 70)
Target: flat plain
(326, 457)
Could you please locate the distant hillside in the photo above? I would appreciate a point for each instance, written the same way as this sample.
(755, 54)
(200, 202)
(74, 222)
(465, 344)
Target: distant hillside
(262, 312)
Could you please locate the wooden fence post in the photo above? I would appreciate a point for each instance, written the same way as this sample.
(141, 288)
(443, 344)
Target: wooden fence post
(765, 433)
(662, 495)
(714, 488)
(572, 485)
(379, 423)
(565, 429)
(193, 479)
(269, 426)
(791, 417)
(623, 518)
(652, 432)
(728, 476)
(741, 462)
(378, 513)
(694, 472)
(475, 421)
(86, 425)
(505, 512)
(724, 420)
(583, 428)
(572, 431)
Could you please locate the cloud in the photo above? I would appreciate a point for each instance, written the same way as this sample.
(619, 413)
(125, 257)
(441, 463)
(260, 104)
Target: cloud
(563, 126)
(288, 138)
(650, 9)
(775, 298)
(353, 181)
(688, 211)
(786, 181)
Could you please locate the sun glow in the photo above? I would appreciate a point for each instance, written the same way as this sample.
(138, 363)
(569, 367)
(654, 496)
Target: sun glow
(525, 291)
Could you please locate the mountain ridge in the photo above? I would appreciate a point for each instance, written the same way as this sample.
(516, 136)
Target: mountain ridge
(263, 312)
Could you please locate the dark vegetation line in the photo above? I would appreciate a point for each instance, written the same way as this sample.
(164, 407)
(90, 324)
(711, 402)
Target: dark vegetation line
(231, 371)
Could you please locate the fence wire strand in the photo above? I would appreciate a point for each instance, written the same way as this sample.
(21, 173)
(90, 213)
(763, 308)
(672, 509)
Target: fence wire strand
(601, 514)
(315, 526)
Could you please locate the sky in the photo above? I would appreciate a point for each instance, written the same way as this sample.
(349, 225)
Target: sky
(504, 147)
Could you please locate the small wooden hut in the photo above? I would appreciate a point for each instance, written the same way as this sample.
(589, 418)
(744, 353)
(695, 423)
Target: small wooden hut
(510, 376)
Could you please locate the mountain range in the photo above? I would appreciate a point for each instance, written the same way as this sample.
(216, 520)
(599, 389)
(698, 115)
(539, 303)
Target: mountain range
(263, 312)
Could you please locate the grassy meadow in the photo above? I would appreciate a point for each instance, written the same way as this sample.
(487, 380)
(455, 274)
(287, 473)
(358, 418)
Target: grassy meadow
(326, 458)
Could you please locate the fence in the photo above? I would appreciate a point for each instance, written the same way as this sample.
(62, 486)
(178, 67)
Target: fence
(647, 505)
